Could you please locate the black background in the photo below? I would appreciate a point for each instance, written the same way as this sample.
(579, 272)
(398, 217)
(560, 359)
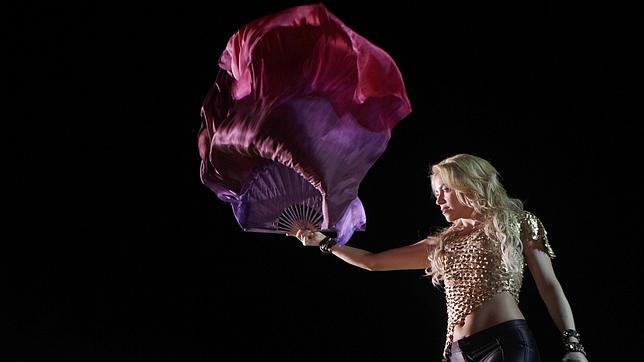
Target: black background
(119, 253)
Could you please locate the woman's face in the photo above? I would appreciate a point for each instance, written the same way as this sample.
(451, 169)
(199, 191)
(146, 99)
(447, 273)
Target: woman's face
(446, 199)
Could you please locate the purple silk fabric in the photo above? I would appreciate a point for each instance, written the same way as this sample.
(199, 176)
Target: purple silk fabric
(300, 110)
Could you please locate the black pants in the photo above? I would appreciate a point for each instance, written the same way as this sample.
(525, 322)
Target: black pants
(509, 341)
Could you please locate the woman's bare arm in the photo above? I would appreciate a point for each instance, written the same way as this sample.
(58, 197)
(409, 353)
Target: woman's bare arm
(404, 258)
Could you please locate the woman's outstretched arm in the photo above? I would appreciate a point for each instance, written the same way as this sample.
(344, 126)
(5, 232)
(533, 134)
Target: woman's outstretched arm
(404, 258)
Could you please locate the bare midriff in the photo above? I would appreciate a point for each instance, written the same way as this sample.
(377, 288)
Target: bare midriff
(501, 308)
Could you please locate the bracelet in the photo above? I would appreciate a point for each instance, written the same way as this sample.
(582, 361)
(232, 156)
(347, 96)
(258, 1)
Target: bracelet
(326, 244)
(572, 346)
(567, 333)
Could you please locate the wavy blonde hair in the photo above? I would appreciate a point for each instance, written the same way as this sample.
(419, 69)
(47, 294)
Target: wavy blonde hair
(476, 183)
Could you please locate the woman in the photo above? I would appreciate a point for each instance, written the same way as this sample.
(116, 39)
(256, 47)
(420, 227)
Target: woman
(479, 261)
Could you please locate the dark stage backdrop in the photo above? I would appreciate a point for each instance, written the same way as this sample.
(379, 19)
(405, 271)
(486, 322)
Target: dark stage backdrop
(119, 253)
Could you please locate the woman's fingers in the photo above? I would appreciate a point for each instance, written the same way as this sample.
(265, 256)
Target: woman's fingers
(305, 236)
(302, 234)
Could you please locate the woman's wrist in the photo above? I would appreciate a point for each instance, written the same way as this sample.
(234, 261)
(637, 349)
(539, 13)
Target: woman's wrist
(327, 244)
(572, 341)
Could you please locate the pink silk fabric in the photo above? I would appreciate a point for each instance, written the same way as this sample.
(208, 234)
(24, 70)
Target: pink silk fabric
(301, 108)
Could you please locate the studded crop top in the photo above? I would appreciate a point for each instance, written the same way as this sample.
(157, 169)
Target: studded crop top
(474, 272)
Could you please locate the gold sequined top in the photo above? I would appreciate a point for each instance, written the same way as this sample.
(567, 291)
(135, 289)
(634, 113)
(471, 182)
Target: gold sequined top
(474, 271)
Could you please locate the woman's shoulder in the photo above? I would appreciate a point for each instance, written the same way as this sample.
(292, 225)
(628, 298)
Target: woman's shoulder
(532, 231)
(430, 240)
(525, 216)
(524, 221)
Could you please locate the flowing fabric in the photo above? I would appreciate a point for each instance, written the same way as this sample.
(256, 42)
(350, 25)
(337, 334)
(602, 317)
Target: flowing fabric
(301, 108)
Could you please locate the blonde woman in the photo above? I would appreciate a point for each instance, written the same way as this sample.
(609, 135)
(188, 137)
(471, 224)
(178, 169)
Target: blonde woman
(479, 261)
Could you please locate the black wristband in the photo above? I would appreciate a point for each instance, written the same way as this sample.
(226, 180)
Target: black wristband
(327, 243)
(572, 346)
(570, 333)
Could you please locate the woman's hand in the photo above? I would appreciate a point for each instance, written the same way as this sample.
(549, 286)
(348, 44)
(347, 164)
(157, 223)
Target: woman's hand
(309, 237)
(574, 357)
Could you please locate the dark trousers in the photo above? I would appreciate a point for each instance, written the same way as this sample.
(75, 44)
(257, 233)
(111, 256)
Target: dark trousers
(509, 341)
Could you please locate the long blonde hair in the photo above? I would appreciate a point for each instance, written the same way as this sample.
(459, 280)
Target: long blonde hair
(477, 185)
